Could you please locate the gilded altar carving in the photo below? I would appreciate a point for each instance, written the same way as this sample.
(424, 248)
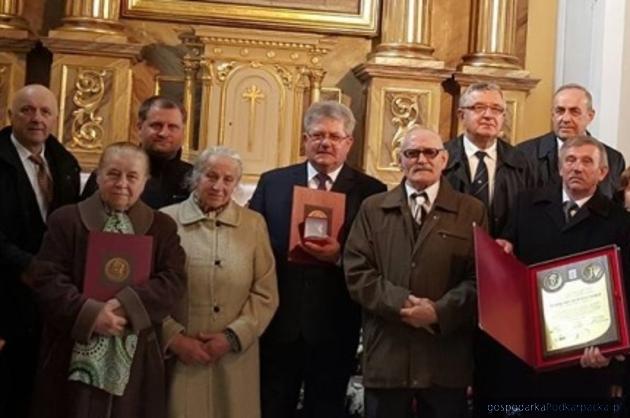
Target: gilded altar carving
(405, 110)
(87, 127)
(252, 88)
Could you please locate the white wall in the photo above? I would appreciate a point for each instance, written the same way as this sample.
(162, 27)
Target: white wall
(593, 49)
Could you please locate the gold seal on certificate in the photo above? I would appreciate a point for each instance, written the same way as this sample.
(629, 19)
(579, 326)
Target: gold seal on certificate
(577, 308)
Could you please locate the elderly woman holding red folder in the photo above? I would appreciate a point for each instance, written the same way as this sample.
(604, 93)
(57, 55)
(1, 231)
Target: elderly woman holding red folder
(102, 358)
(232, 295)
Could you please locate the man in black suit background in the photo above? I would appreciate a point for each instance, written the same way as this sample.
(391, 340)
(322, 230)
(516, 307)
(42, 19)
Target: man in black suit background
(161, 131)
(37, 175)
(571, 114)
(557, 220)
(313, 336)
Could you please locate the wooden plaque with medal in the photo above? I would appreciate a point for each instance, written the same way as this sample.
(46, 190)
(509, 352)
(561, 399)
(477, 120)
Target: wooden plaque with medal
(315, 214)
(547, 313)
(115, 261)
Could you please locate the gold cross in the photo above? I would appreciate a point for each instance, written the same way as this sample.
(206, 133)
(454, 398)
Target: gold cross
(254, 95)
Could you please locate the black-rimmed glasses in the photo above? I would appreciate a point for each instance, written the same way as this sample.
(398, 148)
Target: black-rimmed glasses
(414, 153)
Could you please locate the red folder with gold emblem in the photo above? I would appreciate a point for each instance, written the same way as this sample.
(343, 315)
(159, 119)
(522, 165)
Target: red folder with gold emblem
(115, 261)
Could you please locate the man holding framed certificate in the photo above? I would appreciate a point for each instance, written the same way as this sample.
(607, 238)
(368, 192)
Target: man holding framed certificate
(575, 297)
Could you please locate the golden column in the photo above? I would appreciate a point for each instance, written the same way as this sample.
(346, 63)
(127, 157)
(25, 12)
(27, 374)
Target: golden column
(492, 36)
(16, 40)
(491, 58)
(406, 34)
(403, 81)
(91, 75)
(11, 16)
(91, 17)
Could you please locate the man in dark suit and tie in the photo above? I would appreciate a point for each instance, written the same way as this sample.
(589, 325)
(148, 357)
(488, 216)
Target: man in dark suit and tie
(482, 164)
(571, 114)
(559, 220)
(313, 337)
(486, 167)
(37, 175)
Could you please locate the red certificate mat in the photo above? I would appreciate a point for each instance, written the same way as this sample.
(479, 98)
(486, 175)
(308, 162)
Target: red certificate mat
(510, 301)
(305, 201)
(115, 261)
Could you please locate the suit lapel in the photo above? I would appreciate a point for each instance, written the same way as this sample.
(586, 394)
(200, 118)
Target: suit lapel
(299, 176)
(458, 165)
(9, 154)
(345, 180)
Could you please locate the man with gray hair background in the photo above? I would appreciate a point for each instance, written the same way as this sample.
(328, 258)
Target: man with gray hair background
(571, 114)
(313, 336)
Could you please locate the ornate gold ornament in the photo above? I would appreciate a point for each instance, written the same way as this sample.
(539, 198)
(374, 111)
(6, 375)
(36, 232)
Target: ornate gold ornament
(284, 74)
(405, 109)
(224, 69)
(87, 128)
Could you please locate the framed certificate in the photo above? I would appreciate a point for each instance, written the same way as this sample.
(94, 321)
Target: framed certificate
(547, 313)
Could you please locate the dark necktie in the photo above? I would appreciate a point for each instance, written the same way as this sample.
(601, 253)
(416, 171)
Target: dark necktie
(321, 181)
(570, 208)
(419, 212)
(43, 179)
(479, 187)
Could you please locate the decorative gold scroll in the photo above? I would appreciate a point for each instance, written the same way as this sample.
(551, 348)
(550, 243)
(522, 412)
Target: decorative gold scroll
(87, 127)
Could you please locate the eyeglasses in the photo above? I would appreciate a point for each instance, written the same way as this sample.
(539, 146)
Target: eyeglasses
(480, 109)
(320, 136)
(414, 153)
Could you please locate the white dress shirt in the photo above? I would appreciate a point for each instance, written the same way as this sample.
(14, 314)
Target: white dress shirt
(313, 182)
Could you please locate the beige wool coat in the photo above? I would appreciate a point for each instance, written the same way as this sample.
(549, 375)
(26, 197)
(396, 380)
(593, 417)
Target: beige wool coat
(231, 284)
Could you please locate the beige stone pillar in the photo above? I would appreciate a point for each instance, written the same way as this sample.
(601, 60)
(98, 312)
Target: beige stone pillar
(406, 34)
(492, 37)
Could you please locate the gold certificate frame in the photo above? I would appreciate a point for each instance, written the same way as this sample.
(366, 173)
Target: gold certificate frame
(363, 21)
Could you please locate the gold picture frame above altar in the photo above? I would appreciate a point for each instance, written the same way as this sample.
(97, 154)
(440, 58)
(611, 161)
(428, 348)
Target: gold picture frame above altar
(352, 17)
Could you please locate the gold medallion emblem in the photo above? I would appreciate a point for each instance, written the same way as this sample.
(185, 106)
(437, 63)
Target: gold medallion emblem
(117, 269)
(593, 272)
(553, 282)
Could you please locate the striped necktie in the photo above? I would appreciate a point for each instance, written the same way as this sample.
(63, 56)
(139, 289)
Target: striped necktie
(44, 181)
(479, 187)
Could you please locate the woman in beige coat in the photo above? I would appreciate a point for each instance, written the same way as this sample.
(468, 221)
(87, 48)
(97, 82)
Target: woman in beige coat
(231, 297)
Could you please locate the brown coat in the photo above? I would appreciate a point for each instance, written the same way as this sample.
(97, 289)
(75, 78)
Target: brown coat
(384, 264)
(69, 316)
